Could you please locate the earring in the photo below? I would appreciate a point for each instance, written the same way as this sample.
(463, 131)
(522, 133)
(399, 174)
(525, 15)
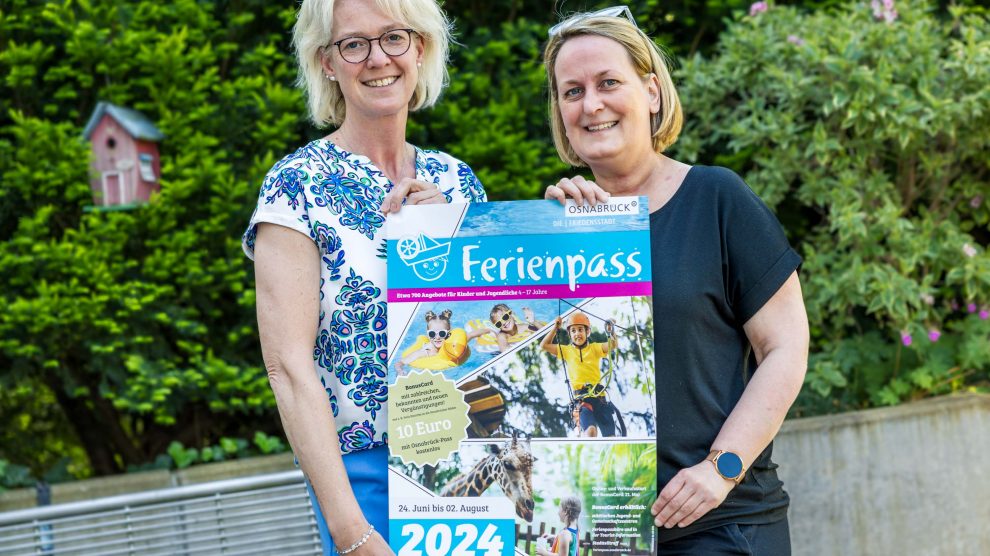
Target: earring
(331, 78)
(419, 64)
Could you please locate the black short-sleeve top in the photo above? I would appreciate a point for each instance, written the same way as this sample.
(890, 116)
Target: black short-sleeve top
(719, 254)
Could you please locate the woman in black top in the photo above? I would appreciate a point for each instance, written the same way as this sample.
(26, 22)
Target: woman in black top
(731, 330)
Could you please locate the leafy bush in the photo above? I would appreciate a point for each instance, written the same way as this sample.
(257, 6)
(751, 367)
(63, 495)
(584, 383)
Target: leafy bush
(180, 457)
(494, 114)
(866, 127)
(14, 476)
(138, 325)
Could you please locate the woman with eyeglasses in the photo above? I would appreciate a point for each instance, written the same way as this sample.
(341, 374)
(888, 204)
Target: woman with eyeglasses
(731, 332)
(316, 239)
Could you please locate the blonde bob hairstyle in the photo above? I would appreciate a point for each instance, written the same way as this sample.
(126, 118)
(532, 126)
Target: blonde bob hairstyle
(646, 58)
(312, 33)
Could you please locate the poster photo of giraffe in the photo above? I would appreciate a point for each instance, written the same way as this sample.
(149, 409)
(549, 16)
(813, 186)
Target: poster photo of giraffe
(599, 491)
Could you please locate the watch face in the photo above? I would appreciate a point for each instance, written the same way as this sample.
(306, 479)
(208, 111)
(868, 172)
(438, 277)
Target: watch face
(729, 465)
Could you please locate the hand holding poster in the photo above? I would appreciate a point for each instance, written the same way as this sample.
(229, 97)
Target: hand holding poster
(521, 405)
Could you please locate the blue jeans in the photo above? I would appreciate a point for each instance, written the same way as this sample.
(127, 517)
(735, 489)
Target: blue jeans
(772, 539)
(368, 473)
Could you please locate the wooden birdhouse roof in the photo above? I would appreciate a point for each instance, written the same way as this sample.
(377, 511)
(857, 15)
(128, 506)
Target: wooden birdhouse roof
(136, 124)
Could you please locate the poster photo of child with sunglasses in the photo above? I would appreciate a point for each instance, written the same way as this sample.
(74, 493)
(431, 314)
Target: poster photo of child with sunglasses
(463, 336)
(442, 347)
(509, 330)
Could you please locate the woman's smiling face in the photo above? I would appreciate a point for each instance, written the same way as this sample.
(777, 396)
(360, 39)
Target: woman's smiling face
(381, 85)
(605, 104)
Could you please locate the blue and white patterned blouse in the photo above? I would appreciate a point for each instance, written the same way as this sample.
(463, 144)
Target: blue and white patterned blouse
(334, 197)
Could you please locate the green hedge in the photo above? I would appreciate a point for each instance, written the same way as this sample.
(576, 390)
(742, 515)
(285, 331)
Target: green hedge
(867, 129)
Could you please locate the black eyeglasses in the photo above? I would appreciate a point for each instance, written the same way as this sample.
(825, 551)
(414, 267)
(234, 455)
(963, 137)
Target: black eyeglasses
(437, 334)
(357, 49)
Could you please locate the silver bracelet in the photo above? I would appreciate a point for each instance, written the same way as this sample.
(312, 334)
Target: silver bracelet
(355, 546)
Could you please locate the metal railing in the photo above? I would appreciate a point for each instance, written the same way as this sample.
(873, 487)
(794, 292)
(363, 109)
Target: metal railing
(265, 514)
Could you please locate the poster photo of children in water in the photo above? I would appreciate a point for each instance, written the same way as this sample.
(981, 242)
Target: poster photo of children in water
(458, 338)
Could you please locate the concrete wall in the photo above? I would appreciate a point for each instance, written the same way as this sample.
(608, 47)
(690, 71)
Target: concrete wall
(912, 479)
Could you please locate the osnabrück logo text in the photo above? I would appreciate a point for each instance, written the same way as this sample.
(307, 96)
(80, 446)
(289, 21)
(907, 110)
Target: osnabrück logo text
(617, 206)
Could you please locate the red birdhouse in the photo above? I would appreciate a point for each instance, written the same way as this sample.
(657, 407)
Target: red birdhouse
(125, 168)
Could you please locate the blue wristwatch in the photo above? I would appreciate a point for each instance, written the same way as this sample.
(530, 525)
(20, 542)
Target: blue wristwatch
(727, 464)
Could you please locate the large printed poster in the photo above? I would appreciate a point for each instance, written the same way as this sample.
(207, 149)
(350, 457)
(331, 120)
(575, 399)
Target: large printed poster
(522, 412)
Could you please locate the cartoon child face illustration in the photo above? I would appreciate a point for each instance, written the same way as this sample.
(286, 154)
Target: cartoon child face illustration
(426, 256)
(431, 269)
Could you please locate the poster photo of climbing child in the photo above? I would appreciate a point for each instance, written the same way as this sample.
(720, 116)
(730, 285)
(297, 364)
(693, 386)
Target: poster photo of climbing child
(520, 366)
(588, 373)
(558, 496)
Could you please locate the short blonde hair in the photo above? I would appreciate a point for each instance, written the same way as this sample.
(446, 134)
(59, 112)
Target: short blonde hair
(312, 32)
(646, 58)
